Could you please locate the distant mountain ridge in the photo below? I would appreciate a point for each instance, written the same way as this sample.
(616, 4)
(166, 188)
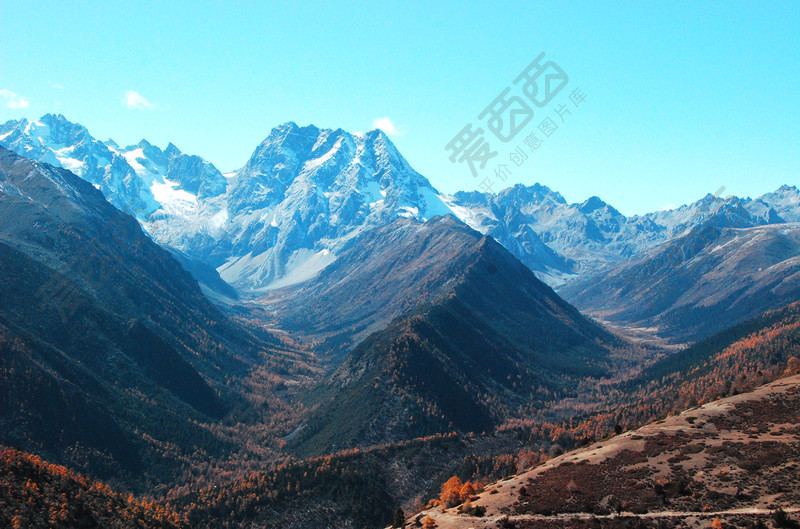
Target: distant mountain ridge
(591, 235)
(138, 179)
(306, 193)
(699, 283)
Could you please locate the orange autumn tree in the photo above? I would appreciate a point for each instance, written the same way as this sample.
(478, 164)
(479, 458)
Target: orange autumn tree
(792, 366)
(451, 492)
(455, 492)
(466, 491)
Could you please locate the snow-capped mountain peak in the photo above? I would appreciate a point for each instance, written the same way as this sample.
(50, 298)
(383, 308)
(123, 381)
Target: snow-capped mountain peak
(133, 178)
(785, 201)
(306, 193)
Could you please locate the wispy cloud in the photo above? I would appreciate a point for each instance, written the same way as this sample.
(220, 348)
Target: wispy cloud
(13, 100)
(386, 125)
(137, 101)
(58, 86)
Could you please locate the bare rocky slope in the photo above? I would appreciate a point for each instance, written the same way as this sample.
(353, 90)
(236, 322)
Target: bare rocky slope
(735, 459)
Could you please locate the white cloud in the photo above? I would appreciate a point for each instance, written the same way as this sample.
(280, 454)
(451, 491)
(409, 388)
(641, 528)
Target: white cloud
(137, 101)
(386, 125)
(58, 86)
(12, 100)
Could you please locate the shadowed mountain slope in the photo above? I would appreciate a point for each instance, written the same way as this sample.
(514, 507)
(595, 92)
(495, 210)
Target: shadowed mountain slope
(698, 284)
(109, 347)
(474, 337)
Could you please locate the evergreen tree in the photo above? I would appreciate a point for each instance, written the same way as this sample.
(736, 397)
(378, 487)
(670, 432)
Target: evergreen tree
(399, 519)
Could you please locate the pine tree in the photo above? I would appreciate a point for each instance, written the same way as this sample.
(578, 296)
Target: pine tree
(399, 519)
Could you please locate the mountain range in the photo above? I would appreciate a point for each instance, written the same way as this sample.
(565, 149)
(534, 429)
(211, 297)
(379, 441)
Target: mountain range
(115, 363)
(306, 193)
(299, 331)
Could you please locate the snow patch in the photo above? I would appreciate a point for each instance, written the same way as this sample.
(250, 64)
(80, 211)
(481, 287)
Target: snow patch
(473, 217)
(373, 192)
(71, 164)
(433, 204)
(408, 212)
(302, 266)
(172, 200)
(322, 138)
(219, 219)
(315, 163)
(132, 158)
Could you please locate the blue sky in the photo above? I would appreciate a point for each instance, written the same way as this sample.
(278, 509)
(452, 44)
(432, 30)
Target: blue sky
(681, 98)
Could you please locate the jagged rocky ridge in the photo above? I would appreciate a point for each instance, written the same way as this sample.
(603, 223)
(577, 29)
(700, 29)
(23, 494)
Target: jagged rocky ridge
(306, 194)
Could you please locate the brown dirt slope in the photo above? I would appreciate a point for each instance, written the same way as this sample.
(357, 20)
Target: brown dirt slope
(736, 459)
